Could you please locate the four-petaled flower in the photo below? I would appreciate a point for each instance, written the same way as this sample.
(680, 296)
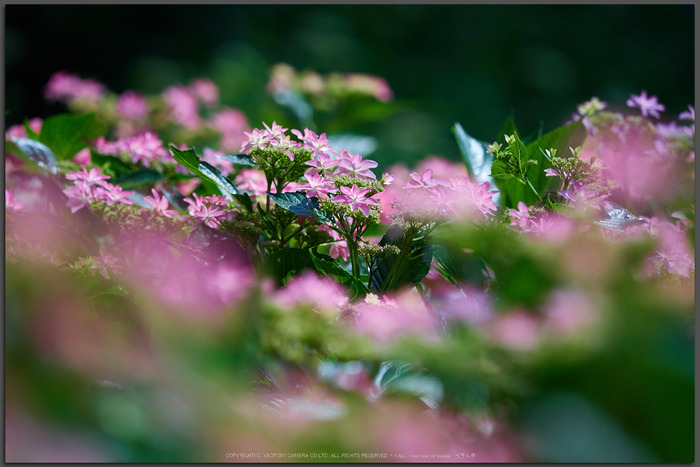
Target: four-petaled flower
(313, 142)
(648, 105)
(317, 185)
(210, 215)
(160, 204)
(356, 198)
(256, 139)
(354, 166)
(424, 180)
(323, 164)
(93, 177)
(113, 194)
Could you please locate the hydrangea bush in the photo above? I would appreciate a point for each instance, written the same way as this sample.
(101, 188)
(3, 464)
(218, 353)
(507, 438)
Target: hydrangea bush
(183, 285)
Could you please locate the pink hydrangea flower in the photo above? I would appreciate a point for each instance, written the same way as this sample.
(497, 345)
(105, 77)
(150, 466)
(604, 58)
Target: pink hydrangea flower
(313, 142)
(253, 180)
(232, 125)
(92, 177)
(132, 105)
(339, 247)
(18, 131)
(356, 198)
(113, 194)
(521, 217)
(316, 185)
(321, 293)
(160, 204)
(146, 148)
(183, 107)
(354, 166)
(205, 90)
(648, 105)
(69, 88)
(688, 114)
(79, 196)
(256, 139)
(323, 164)
(215, 158)
(211, 215)
(423, 181)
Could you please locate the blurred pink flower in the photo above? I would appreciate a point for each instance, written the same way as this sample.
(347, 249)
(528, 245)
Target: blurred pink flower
(322, 294)
(132, 105)
(673, 251)
(442, 167)
(421, 181)
(79, 196)
(648, 105)
(568, 311)
(468, 305)
(232, 125)
(517, 329)
(215, 158)
(253, 180)
(387, 318)
(113, 194)
(69, 88)
(146, 148)
(183, 107)
(205, 90)
(18, 131)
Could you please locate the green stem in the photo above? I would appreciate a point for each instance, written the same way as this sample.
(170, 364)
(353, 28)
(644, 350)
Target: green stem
(533, 188)
(398, 263)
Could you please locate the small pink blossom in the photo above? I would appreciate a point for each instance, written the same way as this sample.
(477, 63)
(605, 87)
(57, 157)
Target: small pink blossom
(422, 181)
(211, 215)
(313, 142)
(132, 105)
(160, 204)
(259, 139)
(354, 166)
(146, 148)
(356, 198)
(521, 217)
(79, 196)
(688, 114)
(113, 194)
(316, 185)
(339, 247)
(648, 105)
(323, 164)
(93, 177)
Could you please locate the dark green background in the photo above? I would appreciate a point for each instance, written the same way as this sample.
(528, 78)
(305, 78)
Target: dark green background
(445, 63)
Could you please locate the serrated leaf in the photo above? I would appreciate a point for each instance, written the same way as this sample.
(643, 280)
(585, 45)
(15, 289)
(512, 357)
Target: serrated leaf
(414, 267)
(240, 159)
(327, 266)
(189, 159)
(138, 177)
(498, 171)
(300, 204)
(66, 134)
(37, 152)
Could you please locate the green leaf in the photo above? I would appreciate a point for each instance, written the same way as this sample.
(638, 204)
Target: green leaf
(110, 164)
(245, 201)
(474, 154)
(414, 262)
(498, 171)
(28, 130)
(239, 159)
(327, 266)
(66, 134)
(508, 128)
(459, 267)
(289, 261)
(36, 152)
(139, 177)
(300, 204)
(189, 159)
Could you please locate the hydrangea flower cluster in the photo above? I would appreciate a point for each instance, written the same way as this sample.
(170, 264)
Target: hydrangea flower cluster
(90, 186)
